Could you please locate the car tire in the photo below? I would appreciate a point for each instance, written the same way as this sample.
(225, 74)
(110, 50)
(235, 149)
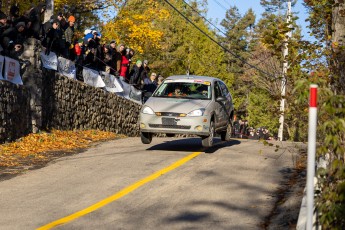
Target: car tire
(226, 135)
(146, 138)
(208, 140)
(170, 134)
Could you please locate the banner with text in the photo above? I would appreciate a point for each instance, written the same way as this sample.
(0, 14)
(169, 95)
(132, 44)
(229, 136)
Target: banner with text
(49, 61)
(112, 84)
(2, 59)
(12, 71)
(67, 68)
(92, 77)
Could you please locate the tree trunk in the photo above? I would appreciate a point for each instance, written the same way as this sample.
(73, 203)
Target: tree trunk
(338, 44)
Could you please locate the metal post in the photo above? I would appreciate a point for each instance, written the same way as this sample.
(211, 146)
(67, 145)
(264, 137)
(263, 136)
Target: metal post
(311, 154)
(283, 86)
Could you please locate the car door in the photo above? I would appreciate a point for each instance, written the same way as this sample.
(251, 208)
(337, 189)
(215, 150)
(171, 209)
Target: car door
(220, 109)
(228, 105)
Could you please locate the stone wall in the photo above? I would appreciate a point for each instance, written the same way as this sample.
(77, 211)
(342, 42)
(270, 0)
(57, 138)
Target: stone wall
(15, 114)
(51, 101)
(69, 104)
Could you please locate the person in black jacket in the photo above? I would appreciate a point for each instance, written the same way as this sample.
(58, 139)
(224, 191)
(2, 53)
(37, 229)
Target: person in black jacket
(35, 17)
(14, 17)
(145, 69)
(4, 25)
(52, 39)
(12, 36)
(135, 75)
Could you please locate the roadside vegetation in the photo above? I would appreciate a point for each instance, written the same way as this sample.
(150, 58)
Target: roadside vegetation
(245, 52)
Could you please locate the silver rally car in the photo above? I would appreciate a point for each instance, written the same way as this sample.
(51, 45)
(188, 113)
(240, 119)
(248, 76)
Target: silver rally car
(188, 104)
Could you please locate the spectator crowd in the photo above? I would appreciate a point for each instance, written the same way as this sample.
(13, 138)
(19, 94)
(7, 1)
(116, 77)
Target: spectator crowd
(241, 129)
(57, 35)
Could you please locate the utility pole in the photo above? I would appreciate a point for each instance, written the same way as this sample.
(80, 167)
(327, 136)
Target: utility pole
(285, 67)
(49, 10)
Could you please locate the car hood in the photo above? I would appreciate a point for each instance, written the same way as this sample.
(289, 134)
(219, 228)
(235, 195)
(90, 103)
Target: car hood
(175, 105)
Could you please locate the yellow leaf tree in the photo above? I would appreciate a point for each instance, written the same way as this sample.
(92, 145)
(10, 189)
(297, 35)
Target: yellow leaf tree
(134, 25)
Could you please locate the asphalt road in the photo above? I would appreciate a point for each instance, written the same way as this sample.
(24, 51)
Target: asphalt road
(229, 186)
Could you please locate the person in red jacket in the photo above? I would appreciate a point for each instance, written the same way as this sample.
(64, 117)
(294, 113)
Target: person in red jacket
(125, 64)
(77, 47)
(79, 57)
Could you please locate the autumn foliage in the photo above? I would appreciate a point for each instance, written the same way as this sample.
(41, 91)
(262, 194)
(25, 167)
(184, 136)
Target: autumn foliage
(135, 29)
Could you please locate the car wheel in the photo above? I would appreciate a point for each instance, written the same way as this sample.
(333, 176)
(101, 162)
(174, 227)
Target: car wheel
(226, 135)
(208, 141)
(170, 134)
(146, 138)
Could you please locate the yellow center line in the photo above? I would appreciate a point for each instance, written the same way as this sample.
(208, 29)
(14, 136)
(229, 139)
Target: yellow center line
(120, 194)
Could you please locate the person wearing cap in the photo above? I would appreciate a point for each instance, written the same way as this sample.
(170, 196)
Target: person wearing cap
(69, 33)
(113, 50)
(96, 35)
(112, 47)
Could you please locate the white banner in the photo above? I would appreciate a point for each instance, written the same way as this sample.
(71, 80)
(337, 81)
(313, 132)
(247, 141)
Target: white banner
(112, 84)
(92, 77)
(49, 61)
(12, 71)
(2, 59)
(67, 68)
(130, 92)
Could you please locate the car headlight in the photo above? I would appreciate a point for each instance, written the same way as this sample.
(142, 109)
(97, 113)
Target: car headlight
(148, 110)
(196, 113)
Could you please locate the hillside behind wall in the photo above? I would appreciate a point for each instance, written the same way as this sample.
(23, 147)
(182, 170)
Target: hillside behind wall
(48, 101)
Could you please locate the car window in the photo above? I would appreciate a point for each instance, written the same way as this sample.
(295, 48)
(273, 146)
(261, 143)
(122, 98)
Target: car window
(225, 90)
(217, 90)
(192, 90)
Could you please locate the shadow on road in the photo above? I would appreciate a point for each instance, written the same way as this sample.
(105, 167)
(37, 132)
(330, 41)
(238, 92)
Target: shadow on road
(192, 145)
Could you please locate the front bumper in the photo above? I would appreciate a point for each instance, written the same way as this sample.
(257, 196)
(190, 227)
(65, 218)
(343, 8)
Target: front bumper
(175, 125)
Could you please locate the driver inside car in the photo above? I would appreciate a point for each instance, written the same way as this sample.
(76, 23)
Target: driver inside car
(177, 92)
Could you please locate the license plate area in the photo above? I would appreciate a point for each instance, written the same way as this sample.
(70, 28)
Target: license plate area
(168, 121)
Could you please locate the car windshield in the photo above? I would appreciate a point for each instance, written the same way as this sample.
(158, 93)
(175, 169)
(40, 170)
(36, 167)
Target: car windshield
(193, 89)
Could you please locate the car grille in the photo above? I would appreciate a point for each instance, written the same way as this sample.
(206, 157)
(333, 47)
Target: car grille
(168, 114)
(170, 126)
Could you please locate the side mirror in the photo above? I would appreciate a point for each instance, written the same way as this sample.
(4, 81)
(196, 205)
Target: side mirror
(221, 98)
